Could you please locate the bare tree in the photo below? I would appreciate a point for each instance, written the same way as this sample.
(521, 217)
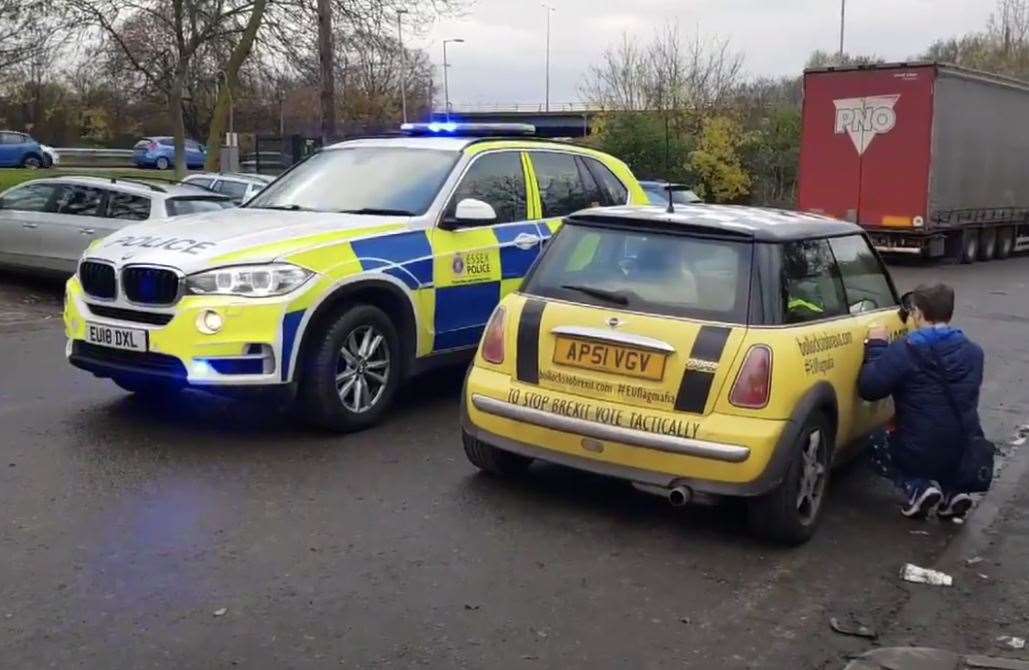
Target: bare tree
(159, 40)
(666, 74)
(240, 52)
(27, 28)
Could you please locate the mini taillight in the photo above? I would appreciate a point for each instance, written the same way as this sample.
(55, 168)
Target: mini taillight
(493, 338)
(754, 383)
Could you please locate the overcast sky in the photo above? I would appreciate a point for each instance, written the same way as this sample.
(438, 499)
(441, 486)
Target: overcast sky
(502, 59)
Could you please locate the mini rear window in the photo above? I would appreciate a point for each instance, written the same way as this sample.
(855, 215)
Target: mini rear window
(180, 206)
(651, 272)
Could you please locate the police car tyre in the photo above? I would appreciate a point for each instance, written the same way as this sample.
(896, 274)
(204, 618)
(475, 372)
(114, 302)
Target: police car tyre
(1005, 242)
(492, 460)
(789, 514)
(351, 369)
(147, 388)
(987, 244)
(969, 246)
(162, 163)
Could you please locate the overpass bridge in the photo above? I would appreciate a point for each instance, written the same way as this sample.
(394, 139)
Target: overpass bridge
(562, 120)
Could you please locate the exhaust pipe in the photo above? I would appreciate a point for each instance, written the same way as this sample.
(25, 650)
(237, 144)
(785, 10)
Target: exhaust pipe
(679, 496)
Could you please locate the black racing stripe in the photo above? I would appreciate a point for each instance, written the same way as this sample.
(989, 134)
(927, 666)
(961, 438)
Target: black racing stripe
(693, 391)
(696, 384)
(709, 343)
(528, 356)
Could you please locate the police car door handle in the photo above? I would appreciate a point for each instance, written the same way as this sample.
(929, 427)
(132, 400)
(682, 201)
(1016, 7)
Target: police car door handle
(526, 241)
(87, 231)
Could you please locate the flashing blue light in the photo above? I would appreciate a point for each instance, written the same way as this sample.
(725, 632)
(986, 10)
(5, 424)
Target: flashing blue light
(447, 127)
(468, 129)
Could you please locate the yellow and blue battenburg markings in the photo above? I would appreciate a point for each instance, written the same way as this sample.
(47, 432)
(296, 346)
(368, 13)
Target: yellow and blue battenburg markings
(456, 278)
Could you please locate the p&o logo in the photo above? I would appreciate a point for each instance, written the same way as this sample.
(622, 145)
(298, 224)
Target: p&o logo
(864, 118)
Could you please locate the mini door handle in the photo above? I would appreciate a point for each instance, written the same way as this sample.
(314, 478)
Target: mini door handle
(526, 241)
(87, 231)
(30, 225)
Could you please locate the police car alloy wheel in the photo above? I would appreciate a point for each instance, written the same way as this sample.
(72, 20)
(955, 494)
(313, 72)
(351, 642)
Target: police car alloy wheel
(352, 369)
(790, 513)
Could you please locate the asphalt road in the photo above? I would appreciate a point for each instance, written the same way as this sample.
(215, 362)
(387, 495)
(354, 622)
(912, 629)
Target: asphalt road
(127, 528)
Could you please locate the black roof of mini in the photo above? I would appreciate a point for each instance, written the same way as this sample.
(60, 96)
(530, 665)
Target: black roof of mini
(758, 223)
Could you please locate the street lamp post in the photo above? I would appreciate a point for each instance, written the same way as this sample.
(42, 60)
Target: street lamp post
(403, 64)
(843, 16)
(550, 10)
(446, 82)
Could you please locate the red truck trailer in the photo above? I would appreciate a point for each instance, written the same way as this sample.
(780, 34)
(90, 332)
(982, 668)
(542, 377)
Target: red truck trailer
(932, 159)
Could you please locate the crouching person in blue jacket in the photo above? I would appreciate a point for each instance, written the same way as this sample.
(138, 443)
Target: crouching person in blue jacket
(918, 371)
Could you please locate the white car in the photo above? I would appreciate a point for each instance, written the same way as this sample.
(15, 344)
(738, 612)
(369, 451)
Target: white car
(50, 156)
(240, 187)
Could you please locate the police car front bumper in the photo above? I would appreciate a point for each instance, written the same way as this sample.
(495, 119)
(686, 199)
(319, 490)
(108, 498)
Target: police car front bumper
(253, 351)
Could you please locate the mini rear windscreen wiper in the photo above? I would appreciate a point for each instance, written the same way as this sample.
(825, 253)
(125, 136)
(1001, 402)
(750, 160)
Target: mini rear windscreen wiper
(382, 211)
(610, 296)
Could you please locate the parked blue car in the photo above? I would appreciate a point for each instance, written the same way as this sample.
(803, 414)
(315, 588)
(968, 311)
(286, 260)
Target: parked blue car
(20, 150)
(159, 152)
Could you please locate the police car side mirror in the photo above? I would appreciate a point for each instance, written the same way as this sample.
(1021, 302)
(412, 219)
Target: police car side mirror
(470, 212)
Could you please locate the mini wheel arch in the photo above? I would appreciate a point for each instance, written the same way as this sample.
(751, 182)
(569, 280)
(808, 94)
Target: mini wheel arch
(388, 297)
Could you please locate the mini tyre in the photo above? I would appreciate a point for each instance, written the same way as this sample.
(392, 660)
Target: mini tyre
(492, 460)
(969, 246)
(1005, 242)
(790, 514)
(32, 162)
(352, 370)
(988, 244)
(162, 163)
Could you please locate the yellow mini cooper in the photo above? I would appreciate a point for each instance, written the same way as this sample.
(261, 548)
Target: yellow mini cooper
(711, 351)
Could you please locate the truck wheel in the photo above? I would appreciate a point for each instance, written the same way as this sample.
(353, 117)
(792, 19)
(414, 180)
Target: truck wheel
(352, 371)
(492, 460)
(969, 246)
(987, 244)
(162, 163)
(1005, 242)
(790, 513)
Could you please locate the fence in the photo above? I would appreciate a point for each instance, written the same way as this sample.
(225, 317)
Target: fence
(71, 157)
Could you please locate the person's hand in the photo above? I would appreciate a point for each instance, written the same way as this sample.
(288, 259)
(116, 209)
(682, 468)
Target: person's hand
(877, 332)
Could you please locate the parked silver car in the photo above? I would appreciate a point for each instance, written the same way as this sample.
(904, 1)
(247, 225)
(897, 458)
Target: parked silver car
(238, 186)
(46, 224)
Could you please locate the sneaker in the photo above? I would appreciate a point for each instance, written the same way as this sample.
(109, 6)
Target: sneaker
(923, 500)
(956, 507)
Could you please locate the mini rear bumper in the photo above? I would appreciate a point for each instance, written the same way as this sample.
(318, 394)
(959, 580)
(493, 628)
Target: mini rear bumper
(738, 457)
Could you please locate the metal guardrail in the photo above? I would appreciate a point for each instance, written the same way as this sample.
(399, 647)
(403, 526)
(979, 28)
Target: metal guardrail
(516, 107)
(76, 157)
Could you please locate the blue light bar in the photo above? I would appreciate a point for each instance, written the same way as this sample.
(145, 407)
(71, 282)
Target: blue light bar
(457, 129)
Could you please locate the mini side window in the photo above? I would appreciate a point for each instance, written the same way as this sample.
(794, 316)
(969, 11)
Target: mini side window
(811, 284)
(863, 277)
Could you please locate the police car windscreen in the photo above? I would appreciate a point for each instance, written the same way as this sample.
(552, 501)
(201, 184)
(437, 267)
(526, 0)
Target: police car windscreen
(657, 273)
(370, 179)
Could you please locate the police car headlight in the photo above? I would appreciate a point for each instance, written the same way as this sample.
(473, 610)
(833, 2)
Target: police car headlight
(254, 281)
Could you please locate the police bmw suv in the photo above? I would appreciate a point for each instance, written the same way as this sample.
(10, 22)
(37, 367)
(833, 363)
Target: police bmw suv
(371, 261)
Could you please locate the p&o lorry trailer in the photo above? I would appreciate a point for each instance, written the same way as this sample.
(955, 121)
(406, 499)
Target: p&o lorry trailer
(931, 159)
